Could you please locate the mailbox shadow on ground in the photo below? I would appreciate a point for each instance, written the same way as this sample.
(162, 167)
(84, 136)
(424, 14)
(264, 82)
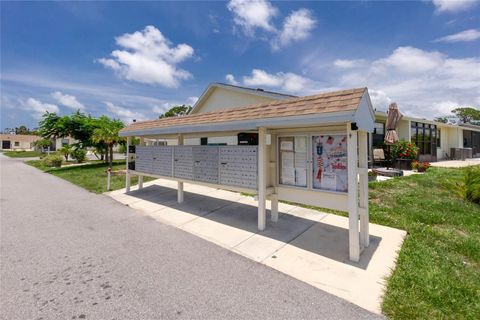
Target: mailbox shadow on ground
(311, 235)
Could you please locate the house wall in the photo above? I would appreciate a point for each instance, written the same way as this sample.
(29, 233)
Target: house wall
(223, 99)
(59, 142)
(22, 145)
(403, 131)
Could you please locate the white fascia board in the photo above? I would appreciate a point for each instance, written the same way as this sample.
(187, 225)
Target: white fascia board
(365, 115)
(270, 123)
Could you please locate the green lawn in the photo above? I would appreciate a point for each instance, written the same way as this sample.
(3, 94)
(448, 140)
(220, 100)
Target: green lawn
(438, 270)
(22, 154)
(92, 177)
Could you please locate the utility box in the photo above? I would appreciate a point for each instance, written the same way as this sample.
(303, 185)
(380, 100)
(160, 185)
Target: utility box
(247, 139)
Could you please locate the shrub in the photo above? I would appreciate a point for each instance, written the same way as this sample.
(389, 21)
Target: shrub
(53, 160)
(472, 184)
(404, 150)
(420, 166)
(65, 151)
(79, 154)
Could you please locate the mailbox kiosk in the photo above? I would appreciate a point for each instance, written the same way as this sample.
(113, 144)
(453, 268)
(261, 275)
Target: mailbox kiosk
(310, 150)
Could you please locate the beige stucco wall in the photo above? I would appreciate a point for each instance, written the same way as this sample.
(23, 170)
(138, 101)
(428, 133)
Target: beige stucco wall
(222, 99)
(404, 130)
(22, 145)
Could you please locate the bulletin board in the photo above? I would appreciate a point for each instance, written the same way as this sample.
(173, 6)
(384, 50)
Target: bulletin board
(329, 161)
(293, 160)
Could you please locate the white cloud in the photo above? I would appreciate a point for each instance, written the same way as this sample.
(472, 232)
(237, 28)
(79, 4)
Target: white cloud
(347, 64)
(252, 14)
(38, 108)
(68, 101)
(287, 82)
(262, 78)
(148, 57)
(453, 5)
(191, 101)
(409, 60)
(464, 36)
(297, 26)
(125, 114)
(423, 83)
(231, 79)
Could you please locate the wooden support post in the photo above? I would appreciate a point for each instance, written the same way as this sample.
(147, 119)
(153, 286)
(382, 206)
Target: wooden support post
(363, 193)
(274, 207)
(127, 170)
(262, 178)
(353, 235)
(140, 178)
(180, 184)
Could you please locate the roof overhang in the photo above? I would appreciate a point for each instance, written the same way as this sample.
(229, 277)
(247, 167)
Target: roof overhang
(269, 123)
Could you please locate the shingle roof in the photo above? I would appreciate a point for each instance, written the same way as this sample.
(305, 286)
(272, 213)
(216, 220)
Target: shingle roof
(19, 137)
(332, 102)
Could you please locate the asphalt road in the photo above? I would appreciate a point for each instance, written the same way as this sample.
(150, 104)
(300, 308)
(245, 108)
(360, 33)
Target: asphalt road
(66, 253)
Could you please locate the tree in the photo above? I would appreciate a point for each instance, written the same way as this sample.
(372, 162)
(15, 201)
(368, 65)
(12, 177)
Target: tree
(107, 133)
(441, 119)
(176, 111)
(467, 114)
(22, 130)
(78, 126)
(42, 143)
(65, 151)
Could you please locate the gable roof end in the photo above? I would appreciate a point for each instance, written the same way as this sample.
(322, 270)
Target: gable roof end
(256, 92)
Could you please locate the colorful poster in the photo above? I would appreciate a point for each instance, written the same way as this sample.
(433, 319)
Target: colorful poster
(330, 162)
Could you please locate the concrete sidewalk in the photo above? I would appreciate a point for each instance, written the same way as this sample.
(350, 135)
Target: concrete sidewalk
(306, 244)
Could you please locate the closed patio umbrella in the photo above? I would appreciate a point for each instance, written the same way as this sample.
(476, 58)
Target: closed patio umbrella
(394, 117)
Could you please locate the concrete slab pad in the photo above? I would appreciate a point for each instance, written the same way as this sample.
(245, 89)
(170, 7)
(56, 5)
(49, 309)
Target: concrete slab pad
(308, 214)
(319, 257)
(306, 244)
(262, 245)
(222, 234)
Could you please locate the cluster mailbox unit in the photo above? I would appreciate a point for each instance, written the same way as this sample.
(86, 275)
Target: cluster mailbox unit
(310, 150)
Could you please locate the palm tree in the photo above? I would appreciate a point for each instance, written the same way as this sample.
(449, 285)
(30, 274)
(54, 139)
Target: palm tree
(107, 133)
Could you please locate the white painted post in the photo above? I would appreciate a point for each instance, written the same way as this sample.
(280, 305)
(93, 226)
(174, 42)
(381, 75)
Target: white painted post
(127, 171)
(109, 174)
(262, 181)
(363, 201)
(140, 178)
(274, 207)
(353, 235)
(180, 184)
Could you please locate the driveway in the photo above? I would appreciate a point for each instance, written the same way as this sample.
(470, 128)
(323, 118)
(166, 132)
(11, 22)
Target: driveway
(69, 254)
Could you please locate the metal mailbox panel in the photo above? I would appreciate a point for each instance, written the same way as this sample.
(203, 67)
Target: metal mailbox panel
(238, 166)
(183, 162)
(143, 159)
(162, 160)
(205, 164)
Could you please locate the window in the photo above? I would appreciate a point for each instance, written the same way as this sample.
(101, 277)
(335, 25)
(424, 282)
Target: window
(378, 134)
(293, 160)
(65, 142)
(379, 128)
(439, 134)
(425, 136)
(16, 144)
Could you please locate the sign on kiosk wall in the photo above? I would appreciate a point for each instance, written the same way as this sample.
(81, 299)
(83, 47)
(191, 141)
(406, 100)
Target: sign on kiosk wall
(330, 162)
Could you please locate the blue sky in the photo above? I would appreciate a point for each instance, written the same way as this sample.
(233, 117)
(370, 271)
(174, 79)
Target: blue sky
(132, 60)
